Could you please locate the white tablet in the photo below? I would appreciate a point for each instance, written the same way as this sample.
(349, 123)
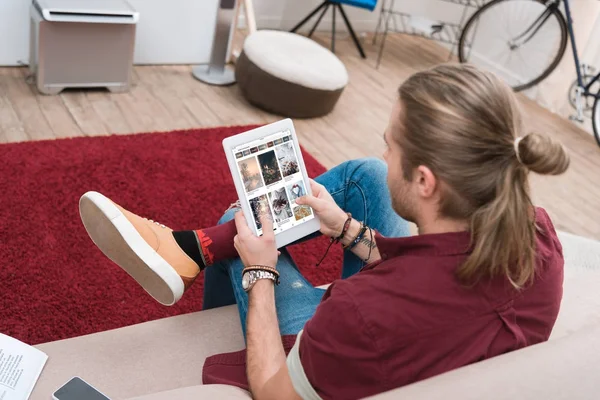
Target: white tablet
(269, 175)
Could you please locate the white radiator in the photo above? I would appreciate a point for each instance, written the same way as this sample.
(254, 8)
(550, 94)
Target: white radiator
(76, 43)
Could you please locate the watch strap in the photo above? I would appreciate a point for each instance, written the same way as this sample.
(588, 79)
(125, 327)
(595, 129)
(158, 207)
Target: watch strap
(256, 275)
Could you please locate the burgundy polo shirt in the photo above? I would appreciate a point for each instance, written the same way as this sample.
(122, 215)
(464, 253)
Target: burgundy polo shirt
(406, 318)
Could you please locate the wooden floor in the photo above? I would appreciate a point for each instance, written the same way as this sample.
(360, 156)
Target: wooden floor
(167, 97)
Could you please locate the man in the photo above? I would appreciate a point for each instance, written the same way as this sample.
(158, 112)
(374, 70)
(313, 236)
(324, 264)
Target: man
(483, 277)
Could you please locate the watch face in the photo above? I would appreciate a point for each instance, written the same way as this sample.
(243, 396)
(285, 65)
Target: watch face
(246, 281)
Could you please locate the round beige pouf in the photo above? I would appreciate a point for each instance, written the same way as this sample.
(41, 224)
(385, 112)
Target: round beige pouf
(289, 74)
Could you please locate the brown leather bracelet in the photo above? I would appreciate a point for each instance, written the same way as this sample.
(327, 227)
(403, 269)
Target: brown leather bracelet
(344, 228)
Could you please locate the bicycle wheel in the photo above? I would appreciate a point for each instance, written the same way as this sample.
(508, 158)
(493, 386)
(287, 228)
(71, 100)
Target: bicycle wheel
(596, 120)
(493, 39)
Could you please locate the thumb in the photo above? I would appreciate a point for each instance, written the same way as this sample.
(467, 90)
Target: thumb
(311, 201)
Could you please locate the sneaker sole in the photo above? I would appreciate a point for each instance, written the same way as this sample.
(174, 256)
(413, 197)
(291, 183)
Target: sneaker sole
(117, 238)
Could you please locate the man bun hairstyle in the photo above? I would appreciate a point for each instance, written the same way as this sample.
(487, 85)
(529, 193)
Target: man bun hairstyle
(465, 125)
(542, 154)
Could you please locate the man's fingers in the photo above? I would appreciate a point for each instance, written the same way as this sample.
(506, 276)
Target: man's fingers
(241, 224)
(310, 200)
(267, 225)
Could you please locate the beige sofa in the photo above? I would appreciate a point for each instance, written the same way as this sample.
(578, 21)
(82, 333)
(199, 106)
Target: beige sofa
(162, 360)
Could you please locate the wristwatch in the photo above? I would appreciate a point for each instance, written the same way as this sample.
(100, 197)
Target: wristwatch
(250, 277)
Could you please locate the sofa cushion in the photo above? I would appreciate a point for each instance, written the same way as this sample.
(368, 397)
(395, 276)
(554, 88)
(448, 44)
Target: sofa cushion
(142, 359)
(223, 392)
(562, 369)
(580, 253)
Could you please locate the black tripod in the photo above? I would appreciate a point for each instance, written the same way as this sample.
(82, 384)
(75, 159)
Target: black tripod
(324, 6)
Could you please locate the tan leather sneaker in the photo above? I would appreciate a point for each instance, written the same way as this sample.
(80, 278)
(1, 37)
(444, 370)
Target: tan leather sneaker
(145, 249)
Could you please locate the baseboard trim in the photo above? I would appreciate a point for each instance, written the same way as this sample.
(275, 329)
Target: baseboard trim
(364, 25)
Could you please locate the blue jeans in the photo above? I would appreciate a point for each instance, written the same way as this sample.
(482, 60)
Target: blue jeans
(358, 187)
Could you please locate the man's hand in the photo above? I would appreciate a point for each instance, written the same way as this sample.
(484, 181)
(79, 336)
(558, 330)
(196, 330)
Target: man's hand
(254, 250)
(332, 222)
(331, 215)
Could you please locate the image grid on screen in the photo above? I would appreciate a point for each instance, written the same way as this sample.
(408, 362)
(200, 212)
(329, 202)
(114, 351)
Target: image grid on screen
(271, 176)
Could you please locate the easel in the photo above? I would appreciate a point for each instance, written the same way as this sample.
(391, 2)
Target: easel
(250, 27)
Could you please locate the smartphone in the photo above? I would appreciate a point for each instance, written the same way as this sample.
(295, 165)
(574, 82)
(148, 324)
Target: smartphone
(78, 389)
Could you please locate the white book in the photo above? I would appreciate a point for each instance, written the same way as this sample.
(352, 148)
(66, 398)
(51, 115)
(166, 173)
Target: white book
(20, 368)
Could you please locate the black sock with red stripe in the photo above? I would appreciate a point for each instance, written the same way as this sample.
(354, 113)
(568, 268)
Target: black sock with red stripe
(188, 243)
(209, 245)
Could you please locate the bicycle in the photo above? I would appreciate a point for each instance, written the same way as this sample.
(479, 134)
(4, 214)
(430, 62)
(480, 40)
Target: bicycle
(515, 34)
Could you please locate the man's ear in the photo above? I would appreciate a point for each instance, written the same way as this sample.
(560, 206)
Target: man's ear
(426, 181)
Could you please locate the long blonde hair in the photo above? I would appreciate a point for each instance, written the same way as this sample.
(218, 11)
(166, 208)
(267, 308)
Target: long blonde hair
(462, 123)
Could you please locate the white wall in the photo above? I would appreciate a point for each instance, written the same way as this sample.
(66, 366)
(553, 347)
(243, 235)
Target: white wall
(180, 33)
(14, 31)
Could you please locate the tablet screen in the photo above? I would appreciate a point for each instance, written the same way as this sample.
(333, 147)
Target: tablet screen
(272, 180)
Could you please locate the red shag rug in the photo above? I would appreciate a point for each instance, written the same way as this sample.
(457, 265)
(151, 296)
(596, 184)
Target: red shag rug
(54, 283)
